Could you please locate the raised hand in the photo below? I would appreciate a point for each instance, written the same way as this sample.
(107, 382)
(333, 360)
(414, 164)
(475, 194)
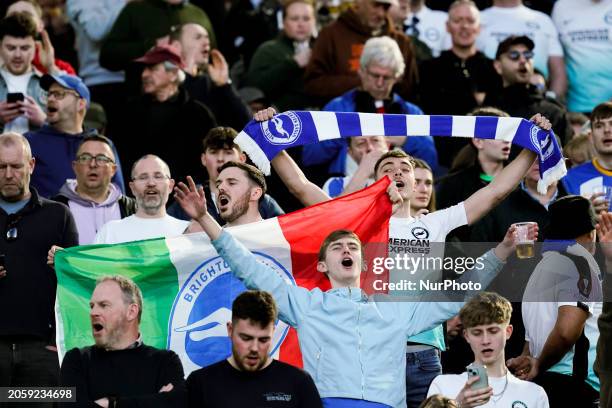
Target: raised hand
(541, 121)
(191, 198)
(264, 114)
(218, 70)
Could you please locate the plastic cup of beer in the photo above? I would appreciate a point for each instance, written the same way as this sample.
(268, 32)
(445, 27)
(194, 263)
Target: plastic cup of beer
(605, 193)
(524, 240)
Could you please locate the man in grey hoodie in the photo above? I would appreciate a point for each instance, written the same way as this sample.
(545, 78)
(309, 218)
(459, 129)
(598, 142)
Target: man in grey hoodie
(91, 197)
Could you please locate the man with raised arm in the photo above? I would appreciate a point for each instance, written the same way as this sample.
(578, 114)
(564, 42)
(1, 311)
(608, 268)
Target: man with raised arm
(349, 364)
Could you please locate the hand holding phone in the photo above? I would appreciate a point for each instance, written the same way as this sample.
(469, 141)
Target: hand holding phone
(478, 370)
(14, 97)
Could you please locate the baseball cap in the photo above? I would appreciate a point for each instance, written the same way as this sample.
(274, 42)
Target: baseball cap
(505, 45)
(159, 54)
(66, 81)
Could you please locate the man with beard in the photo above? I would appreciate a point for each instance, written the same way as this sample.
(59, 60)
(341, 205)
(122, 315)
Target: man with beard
(119, 370)
(55, 144)
(30, 226)
(207, 77)
(260, 379)
(151, 185)
(218, 149)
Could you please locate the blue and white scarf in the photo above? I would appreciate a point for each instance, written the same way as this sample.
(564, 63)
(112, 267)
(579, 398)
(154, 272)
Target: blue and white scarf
(264, 140)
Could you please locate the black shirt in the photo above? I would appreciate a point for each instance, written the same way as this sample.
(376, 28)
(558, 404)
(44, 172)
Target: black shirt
(134, 376)
(277, 385)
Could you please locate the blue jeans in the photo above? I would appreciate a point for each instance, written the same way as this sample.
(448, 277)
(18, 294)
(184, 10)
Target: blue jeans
(421, 368)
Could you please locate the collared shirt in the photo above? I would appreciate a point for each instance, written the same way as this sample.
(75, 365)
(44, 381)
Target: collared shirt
(535, 197)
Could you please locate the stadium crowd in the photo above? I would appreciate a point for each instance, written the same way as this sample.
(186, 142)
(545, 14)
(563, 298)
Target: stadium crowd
(119, 120)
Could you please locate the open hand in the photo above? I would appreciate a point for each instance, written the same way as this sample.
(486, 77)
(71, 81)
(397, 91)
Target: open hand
(191, 198)
(218, 70)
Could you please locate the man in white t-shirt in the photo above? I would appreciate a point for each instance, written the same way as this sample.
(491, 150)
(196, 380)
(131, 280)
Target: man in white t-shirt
(23, 110)
(486, 328)
(511, 17)
(411, 236)
(585, 30)
(561, 304)
(151, 185)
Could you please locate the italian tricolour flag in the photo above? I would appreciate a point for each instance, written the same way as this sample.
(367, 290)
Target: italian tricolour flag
(188, 289)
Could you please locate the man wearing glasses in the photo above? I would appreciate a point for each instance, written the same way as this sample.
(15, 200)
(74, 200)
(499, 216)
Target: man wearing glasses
(519, 98)
(55, 145)
(29, 226)
(91, 197)
(151, 185)
(381, 66)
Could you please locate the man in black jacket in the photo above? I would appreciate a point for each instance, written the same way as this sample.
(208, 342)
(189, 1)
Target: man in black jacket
(30, 226)
(165, 120)
(514, 62)
(92, 198)
(459, 79)
(119, 370)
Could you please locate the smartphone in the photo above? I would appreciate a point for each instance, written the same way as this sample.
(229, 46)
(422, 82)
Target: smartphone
(479, 370)
(2, 258)
(13, 97)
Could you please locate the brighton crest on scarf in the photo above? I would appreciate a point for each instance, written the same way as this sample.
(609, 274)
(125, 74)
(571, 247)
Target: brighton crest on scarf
(264, 140)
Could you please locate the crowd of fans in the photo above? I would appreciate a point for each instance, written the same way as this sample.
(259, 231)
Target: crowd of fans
(104, 104)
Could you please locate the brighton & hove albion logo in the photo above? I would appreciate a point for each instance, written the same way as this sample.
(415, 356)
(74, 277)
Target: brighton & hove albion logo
(545, 147)
(202, 308)
(282, 129)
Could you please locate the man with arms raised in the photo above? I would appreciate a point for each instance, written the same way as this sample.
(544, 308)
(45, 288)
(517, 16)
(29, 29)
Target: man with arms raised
(423, 231)
(347, 371)
(120, 370)
(260, 379)
(219, 148)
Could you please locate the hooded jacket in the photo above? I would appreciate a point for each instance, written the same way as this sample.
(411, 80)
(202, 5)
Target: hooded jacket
(54, 152)
(91, 216)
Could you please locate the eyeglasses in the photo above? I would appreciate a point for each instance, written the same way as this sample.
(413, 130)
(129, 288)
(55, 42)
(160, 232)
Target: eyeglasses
(145, 178)
(376, 77)
(11, 227)
(516, 55)
(59, 95)
(100, 159)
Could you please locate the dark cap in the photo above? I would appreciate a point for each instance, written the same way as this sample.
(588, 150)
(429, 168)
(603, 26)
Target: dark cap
(159, 54)
(66, 81)
(570, 217)
(505, 45)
